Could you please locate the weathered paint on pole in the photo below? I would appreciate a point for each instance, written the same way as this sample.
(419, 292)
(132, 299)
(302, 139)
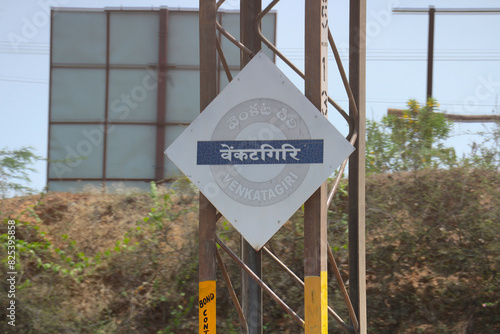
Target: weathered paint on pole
(315, 220)
(356, 187)
(251, 293)
(207, 314)
(316, 302)
(207, 212)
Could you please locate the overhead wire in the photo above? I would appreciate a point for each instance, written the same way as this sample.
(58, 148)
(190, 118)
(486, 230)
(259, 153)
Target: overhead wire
(27, 80)
(24, 48)
(36, 48)
(442, 103)
(410, 54)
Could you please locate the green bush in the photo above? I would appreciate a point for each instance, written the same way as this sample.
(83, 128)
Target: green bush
(14, 170)
(411, 141)
(485, 155)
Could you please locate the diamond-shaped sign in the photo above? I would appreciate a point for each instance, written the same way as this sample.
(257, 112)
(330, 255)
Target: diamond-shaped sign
(259, 150)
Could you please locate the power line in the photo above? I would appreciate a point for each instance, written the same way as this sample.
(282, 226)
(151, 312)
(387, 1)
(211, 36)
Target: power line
(411, 55)
(387, 101)
(448, 10)
(27, 80)
(441, 59)
(297, 53)
(38, 48)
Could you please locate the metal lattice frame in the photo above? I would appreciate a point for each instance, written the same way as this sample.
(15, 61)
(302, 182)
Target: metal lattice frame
(353, 136)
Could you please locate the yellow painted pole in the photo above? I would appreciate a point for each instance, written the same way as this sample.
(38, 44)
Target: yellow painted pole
(316, 303)
(315, 219)
(207, 302)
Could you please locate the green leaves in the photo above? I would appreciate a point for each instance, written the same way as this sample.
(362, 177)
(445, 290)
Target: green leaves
(14, 171)
(411, 140)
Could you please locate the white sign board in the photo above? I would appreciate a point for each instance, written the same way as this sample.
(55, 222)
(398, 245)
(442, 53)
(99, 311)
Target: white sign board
(259, 150)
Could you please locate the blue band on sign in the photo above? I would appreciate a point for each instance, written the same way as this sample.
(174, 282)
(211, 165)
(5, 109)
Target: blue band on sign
(260, 152)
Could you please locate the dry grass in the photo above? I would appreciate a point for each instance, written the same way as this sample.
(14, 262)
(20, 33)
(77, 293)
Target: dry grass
(432, 250)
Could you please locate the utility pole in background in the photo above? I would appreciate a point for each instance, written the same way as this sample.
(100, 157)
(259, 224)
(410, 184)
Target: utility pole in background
(430, 51)
(430, 46)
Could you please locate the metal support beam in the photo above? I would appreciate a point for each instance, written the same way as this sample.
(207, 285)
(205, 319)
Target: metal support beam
(430, 52)
(207, 212)
(315, 219)
(455, 117)
(357, 79)
(106, 107)
(161, 99)
(251, 292)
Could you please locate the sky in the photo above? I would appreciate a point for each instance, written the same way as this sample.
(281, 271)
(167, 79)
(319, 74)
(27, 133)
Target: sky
(466, 66)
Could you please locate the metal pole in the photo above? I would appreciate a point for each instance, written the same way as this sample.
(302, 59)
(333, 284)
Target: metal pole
(357, 79)
(161, 98)
(430, 51)
(251, 292)
(430, 48)
(207, 212)
(315, 219)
